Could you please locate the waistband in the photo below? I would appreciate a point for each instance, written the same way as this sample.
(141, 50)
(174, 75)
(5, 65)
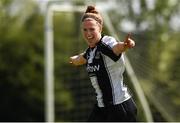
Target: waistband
(110, 104)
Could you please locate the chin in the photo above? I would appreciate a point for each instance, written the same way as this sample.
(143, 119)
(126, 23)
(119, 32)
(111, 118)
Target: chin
(91, 46)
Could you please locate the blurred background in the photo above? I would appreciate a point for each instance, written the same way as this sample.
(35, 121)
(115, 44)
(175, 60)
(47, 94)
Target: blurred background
(155, 61)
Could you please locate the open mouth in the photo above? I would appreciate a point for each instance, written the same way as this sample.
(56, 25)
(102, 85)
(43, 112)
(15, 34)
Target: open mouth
(90, 37)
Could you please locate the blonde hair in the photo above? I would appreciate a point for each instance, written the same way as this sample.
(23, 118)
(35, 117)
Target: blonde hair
(91, 12)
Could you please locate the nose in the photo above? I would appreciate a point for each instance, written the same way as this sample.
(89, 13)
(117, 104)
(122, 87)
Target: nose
(88, 33)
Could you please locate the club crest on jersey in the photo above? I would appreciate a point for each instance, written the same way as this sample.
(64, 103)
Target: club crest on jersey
(90, 57)
(97, 56)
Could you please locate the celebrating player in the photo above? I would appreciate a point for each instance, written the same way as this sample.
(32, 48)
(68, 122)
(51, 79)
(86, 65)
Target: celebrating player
(105, 65)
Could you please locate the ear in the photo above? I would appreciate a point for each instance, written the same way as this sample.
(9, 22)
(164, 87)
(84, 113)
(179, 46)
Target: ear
(100, 28)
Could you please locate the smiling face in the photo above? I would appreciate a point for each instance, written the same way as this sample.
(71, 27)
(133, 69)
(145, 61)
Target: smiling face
(91, 31)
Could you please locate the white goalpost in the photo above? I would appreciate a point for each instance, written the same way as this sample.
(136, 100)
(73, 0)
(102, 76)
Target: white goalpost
(49, 54)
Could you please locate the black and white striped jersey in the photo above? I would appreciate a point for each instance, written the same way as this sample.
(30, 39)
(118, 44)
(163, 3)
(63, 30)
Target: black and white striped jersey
(105, 70)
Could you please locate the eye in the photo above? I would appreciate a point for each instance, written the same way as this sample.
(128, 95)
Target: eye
(84, 29)
(91, 29)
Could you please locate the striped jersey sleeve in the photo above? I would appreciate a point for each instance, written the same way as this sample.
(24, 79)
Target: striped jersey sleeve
(106, 45)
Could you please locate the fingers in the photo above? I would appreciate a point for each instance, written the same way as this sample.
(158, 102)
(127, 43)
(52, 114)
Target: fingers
(127, 38)
(129, 43)
(70, 62)
(71, 59)
(129, 35)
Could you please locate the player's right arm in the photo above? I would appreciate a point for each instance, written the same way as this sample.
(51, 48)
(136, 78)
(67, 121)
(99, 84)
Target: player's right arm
(77, 60)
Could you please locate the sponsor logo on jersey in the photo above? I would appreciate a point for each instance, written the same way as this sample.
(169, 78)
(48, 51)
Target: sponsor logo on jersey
(93, 68)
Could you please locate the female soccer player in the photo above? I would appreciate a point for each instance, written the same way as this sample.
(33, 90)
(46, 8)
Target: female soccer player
(105, 66)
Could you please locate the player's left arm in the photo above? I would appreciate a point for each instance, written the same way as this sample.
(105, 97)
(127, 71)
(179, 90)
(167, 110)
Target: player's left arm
(122, 46)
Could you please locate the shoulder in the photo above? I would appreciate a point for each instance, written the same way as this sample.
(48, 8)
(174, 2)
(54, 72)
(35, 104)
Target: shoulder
(109, 40)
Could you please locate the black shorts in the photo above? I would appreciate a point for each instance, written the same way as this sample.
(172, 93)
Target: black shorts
(125, 111)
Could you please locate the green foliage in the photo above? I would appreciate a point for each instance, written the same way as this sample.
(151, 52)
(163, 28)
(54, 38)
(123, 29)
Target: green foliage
(155, 60)
(70, 82)
(165, 73)
(21, 67)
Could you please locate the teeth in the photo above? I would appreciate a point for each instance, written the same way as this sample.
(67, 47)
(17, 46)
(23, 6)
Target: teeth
(89, 37)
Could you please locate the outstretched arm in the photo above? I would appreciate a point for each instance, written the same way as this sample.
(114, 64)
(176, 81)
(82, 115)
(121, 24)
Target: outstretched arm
(77, 60)
(122, 46)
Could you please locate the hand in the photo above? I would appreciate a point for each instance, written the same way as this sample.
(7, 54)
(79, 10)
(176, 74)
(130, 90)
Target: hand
(129, 43)
(77, 60)
(73, 59)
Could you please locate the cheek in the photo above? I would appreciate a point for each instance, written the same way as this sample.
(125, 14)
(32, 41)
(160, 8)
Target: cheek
(84, 33)
(98, 33)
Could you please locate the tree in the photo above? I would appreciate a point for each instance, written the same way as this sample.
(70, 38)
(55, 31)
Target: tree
(156, 53)
(21, 62)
